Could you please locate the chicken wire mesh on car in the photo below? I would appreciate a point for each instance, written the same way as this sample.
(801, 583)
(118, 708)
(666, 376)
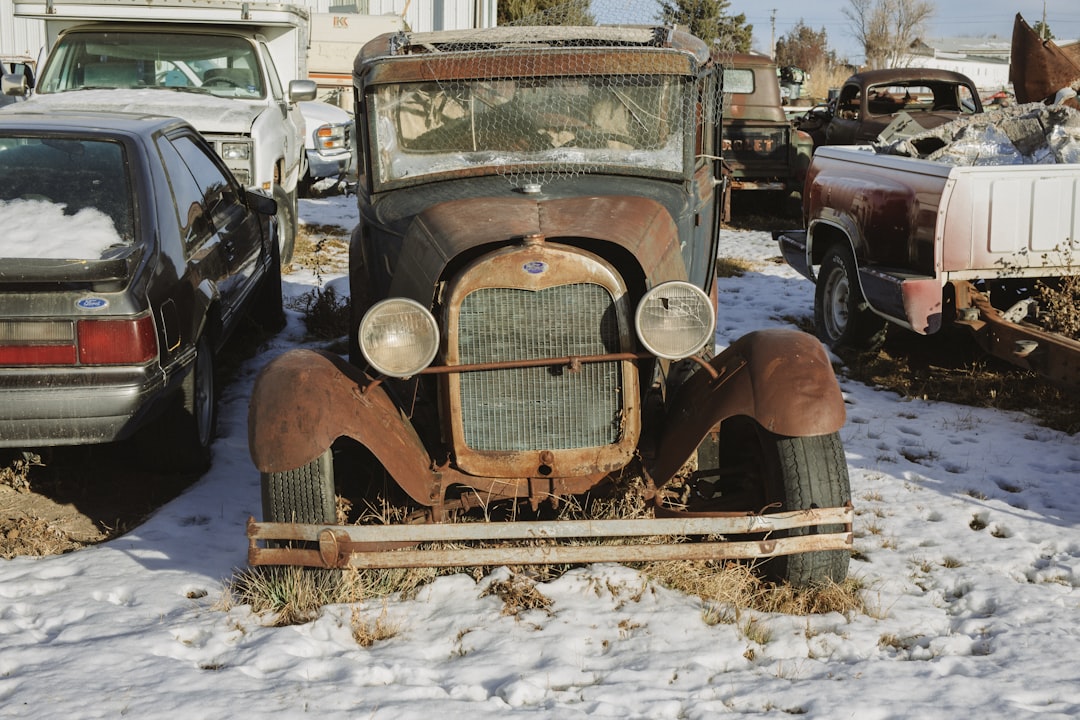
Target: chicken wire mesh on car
(553, 95)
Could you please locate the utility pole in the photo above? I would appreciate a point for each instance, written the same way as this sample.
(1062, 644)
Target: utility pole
(1044, 31)
(772, 40)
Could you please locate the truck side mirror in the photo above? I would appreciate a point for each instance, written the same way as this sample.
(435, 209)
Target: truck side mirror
(302, 90)
(16, 84)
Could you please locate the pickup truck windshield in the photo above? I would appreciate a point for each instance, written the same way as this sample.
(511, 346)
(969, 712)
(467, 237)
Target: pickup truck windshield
(214, 64)
(574, 124)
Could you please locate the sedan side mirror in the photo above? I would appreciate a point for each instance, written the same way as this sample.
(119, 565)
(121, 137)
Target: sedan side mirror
(263, 204)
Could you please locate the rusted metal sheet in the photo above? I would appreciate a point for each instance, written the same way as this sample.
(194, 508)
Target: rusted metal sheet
(365, 546)
(1039, 68)
(642, 226)
(781, 378)
(1055, 357)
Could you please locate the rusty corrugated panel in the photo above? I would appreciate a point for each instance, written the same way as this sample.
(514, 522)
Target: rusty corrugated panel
(1039, 68)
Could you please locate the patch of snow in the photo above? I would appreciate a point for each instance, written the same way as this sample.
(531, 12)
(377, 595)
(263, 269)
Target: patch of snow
(40, 229)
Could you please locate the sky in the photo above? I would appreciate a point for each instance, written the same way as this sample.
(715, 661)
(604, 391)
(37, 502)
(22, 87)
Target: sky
(967, 534)
(951, 19)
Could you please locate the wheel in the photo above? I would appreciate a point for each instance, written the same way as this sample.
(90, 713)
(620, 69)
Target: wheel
(286, 220)
(760, 470)
(842, 317)
(302, 495)
(267, 308)
(180, 440)
(807, 472)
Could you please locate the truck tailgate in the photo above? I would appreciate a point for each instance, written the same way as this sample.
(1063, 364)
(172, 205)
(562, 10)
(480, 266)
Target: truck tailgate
(1009, 221)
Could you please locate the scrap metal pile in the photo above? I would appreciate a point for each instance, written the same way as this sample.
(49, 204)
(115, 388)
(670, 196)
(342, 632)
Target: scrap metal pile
(1027, 134)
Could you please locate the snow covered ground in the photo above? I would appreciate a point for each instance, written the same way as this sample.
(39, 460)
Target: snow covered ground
(968, 540)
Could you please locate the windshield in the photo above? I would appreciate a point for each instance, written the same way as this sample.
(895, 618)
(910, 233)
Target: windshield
(564, 124)
(215, 64)
(63, 198)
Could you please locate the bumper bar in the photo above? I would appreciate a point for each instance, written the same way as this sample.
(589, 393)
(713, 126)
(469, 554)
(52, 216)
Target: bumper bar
(381, 546)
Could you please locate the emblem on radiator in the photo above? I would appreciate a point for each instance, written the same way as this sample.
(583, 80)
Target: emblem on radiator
(535, 267)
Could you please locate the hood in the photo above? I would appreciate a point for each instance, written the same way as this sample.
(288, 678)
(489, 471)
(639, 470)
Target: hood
(318, 113)
(207, 113)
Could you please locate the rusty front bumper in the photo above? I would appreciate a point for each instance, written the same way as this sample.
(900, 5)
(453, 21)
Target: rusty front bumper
(544, 543)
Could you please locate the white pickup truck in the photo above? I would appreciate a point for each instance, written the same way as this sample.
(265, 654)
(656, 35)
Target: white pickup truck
(965, 234)
(234, 70)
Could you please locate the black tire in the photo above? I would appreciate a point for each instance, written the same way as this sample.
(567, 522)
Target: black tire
(806, 472)
(842, 317)
(179, 441)
(761, 471)
(267, 309)
(286, 219)
(302, 495)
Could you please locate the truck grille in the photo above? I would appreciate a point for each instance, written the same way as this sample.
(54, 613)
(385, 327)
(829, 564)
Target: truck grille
(540, 408)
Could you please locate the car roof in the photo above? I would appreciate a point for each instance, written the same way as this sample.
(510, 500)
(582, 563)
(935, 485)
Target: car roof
(24, 116)
(877, 77)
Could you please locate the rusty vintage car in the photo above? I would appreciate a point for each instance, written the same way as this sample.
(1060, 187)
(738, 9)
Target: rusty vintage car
(910, 100)
(533, 300)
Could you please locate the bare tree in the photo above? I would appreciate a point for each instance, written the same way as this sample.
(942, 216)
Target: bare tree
(886, 29)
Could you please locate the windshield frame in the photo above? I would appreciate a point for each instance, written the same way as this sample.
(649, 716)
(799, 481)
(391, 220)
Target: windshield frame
(180, 62)
(399, 158)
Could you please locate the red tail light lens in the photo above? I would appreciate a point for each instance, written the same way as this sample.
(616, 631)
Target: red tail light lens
(37, 342)
(117, 342)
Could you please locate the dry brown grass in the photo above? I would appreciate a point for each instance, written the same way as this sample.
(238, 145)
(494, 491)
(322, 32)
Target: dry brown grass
(33, 536)
(1059, 306)
(367, 631)
(17, 475)
(949, 367)
(518, 594)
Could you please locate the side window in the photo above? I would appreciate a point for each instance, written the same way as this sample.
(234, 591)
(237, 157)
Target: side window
(271, 70)
(188, 198)
(848, 104)
(220, 195)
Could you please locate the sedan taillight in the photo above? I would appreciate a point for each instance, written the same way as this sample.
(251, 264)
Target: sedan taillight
(117, 342)
(84, 342)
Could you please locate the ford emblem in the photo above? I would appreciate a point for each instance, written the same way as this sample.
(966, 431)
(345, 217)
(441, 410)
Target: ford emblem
(91, 303)
(535, 267)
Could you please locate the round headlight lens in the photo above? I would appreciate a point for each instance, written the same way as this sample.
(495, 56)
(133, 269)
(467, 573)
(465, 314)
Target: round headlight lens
(398, 337)
(675, 320)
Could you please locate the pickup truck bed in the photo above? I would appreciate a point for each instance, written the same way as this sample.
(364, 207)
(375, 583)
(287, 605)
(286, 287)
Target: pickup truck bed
(929, 243)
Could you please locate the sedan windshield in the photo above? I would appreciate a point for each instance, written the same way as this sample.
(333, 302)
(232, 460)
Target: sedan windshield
(214, 64)
(63, 198)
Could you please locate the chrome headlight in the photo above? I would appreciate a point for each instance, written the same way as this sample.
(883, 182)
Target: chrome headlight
(675, 320)
(330, 137)
(235, 150)
(398, 337)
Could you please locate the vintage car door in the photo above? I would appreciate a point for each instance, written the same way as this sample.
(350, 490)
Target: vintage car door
(847, 116)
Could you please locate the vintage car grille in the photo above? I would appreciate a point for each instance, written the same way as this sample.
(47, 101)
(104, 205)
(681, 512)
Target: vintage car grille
(540, 408)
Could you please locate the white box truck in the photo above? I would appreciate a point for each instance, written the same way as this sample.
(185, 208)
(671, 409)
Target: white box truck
(234, 70)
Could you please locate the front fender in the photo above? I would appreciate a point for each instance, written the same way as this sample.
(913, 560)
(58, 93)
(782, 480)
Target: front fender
(304, 400)
(781, 378)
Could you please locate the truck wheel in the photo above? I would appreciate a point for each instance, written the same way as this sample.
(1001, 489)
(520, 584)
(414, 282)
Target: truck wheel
(842, 317)
(286, 219)
(302, 495)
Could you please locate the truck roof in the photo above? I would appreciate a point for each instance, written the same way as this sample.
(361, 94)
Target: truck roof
(234, 12)
(672, 51)
(877, 77)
